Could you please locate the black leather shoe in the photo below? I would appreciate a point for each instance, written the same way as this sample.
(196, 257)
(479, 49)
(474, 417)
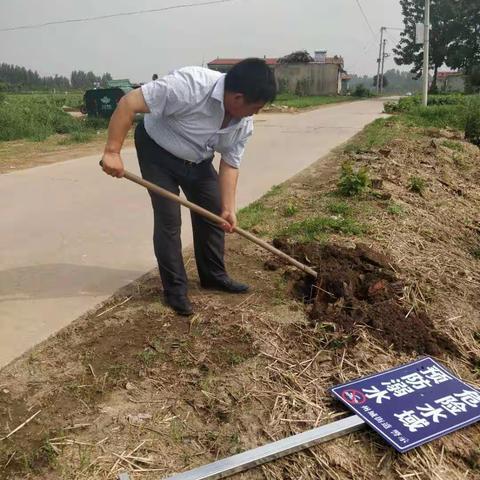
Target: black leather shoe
(226, 285)
(180, 303)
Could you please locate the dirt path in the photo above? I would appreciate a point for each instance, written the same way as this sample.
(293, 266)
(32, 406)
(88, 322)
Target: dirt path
(74, 235)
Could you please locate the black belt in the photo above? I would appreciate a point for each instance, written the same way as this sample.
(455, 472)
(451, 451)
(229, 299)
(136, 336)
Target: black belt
(196, 164)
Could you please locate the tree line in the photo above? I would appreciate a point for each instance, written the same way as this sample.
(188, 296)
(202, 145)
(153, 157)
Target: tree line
(454, 36)
(394, 81)
(16, 78)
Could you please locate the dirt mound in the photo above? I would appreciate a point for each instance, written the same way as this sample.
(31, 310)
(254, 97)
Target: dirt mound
(359, 287)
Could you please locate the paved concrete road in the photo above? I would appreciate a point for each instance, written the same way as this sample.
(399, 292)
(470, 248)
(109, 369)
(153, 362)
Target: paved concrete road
(70, 236)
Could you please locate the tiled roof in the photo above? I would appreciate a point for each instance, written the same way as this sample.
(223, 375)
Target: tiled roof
(234, 61)
(444, 75)
(270, 61)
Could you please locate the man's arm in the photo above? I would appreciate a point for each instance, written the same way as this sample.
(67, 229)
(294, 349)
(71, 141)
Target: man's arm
(228, 178)
(120, 123)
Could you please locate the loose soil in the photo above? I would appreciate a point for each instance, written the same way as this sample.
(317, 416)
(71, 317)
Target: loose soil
(358, 286)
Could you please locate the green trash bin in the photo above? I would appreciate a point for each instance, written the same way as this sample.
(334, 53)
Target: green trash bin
(101, 102)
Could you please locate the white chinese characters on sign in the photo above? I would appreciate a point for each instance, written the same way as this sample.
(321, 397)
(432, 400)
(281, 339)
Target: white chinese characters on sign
(400, 387)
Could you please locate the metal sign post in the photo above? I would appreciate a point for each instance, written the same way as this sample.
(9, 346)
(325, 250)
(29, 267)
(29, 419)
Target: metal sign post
(272, 451)
(408, 406)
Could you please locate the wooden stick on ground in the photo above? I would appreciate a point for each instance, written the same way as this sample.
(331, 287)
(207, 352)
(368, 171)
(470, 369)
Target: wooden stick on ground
(20, 426)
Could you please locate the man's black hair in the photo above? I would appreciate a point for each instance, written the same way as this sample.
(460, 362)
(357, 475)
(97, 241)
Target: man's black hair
(253, 78)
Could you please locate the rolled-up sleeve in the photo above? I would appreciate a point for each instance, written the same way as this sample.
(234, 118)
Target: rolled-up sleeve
(233, 154)
(168, 95)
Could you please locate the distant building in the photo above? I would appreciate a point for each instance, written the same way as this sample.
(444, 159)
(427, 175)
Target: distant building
(324, 76)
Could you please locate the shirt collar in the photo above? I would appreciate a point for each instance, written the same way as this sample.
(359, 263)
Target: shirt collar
(219, 89)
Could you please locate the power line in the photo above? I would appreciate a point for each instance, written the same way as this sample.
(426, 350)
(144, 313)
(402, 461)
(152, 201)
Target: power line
(113, 15)
(366, 19)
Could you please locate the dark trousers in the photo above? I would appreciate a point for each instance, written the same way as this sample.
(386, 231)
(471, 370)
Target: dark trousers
(199, 182)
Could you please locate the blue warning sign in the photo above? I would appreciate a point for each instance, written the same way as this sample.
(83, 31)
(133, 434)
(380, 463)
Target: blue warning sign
(412, 404)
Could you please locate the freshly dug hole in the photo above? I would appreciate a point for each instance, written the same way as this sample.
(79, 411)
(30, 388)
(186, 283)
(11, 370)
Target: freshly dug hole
(359, 287)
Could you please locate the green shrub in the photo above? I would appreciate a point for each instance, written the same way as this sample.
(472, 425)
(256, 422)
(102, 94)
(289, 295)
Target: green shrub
(440, 116)
(416, 185)
(289, 210)
(472, 122)
(390, 107)
(353, 182)
(361, 91)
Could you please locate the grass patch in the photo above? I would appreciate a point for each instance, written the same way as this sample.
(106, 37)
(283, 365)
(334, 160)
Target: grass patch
(275, 190)
(289, 210)
(476, 254)
(452, 145)
(314, 228)
(416, 185)
(296, 101)
(374, 135)
(339, 208)
(82, 136)
(395, 209)
(147, 356)
(36, 117)
(252, 215)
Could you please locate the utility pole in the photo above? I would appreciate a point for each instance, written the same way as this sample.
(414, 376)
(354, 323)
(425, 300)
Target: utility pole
(384, 55)
(426, 53)
(379, 60)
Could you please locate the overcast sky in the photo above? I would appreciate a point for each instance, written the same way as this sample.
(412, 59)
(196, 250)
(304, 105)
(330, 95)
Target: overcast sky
(136, 46)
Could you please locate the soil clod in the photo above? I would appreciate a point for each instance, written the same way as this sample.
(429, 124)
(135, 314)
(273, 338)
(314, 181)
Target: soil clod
(358, 287)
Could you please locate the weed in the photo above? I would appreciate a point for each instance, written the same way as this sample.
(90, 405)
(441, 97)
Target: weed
(452, 145)
(82, 136)
(118, 371)
(459, 161)
(289, 210)
(275, 190)
(176, 431)
(472, 122)
(476, 253)
(353, 182)
(252, 215)
(312, 229)
(416, 185)
(339, 208)
(395, 209)
(47, 453)
(235, 358)
(374, 135)
(147, 356)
